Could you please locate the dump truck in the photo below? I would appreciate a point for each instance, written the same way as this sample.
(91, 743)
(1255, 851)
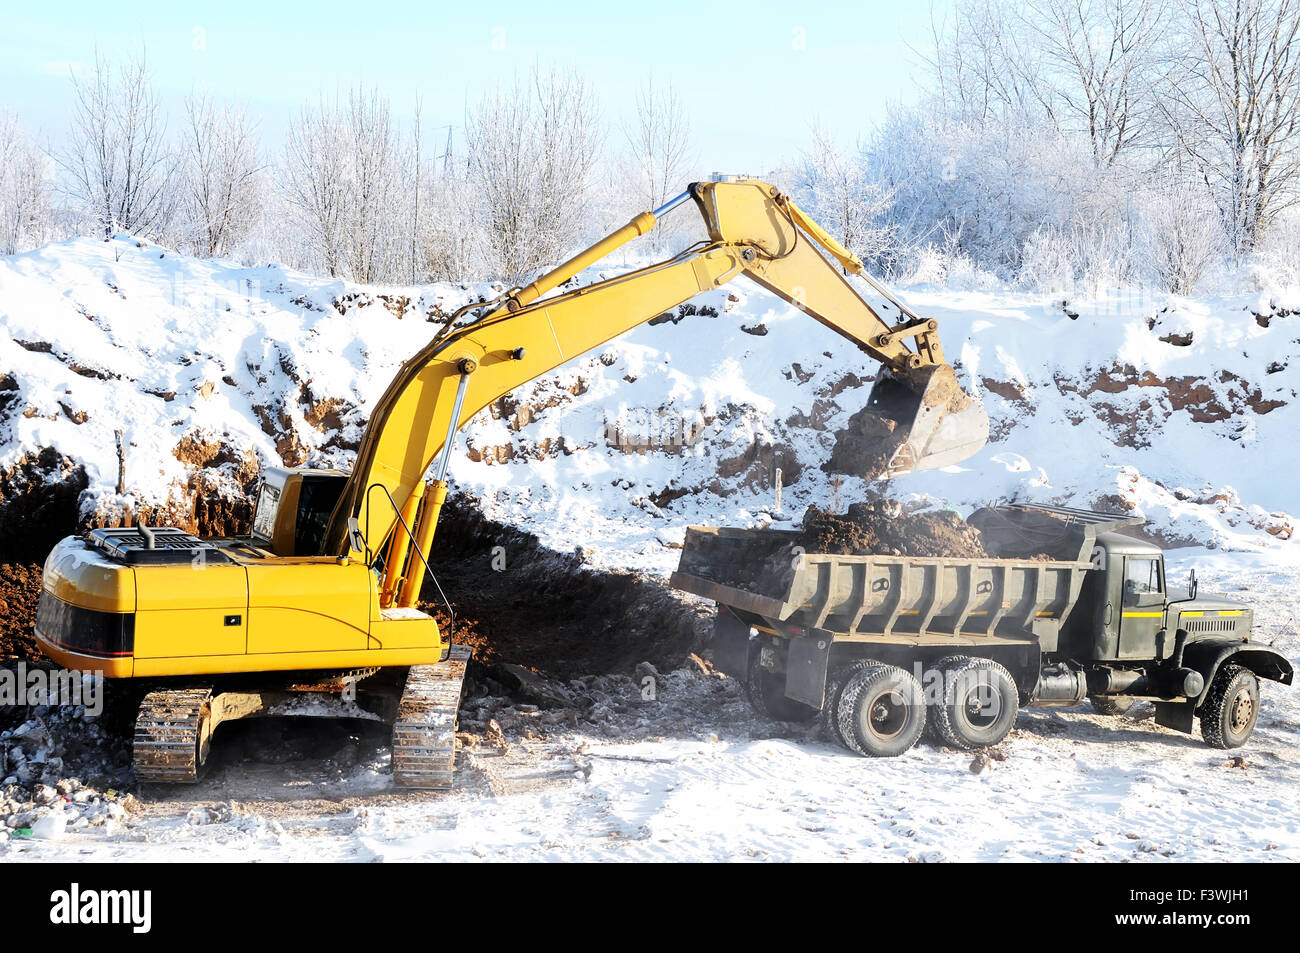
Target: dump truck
(315, 611)
(884, 649)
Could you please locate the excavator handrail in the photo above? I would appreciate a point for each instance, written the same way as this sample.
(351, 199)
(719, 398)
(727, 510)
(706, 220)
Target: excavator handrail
(451, 613)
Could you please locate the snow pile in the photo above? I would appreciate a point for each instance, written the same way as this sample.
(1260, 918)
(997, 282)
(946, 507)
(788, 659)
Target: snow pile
(1182, 410)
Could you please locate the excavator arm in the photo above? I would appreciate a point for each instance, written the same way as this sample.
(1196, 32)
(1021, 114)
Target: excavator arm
(920, 416)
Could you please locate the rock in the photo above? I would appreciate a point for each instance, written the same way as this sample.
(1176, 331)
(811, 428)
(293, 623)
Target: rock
(646, 670)
(51, 826)
(44, 794)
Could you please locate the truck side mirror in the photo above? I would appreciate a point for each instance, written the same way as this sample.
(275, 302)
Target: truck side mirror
(1191, 584)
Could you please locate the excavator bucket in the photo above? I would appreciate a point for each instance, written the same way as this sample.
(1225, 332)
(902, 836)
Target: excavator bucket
(917, 419)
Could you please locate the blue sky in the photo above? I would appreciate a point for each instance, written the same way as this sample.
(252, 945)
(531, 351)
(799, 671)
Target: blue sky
(752, 75)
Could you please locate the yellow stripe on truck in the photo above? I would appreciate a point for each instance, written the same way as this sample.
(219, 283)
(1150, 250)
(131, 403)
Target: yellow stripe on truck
(1143, 615)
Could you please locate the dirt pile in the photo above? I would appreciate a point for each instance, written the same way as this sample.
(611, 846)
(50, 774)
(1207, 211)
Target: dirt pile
(882, 529)
(20, 588)
(516, 601)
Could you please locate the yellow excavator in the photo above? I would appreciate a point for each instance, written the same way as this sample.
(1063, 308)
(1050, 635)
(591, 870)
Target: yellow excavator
(314, 613)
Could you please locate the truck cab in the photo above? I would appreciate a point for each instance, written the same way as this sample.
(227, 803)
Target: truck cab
(1128, 611)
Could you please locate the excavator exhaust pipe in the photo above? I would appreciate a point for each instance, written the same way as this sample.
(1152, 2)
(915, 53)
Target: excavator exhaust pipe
(916, 419)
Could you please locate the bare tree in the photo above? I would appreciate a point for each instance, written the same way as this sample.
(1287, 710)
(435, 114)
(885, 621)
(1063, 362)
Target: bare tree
(1234, 108)
(119, 166)
(372, 189)
(1102, 57)
(340, 176)
(531, 152)
(222, 169)
(659, 140)
(314, 181)
(983, 64)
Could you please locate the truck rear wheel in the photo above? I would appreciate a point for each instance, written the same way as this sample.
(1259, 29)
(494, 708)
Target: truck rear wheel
(766, 693)
(835, 683)
(1231, 709)
(881, 711)
(979, 705)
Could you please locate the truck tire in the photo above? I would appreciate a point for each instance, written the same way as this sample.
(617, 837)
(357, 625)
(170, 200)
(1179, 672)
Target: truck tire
(1231, 708)
(766, 693)
(979, 707)
(835, 682)
(881, 711)
(931, 734)
(1112, 704)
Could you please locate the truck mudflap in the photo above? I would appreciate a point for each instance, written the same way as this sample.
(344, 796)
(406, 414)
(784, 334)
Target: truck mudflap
(730, 643)
(805, 668)
(1208, 657)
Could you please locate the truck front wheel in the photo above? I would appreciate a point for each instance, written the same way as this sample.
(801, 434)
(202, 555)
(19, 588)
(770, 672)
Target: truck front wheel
(979, 705)
(881, 711)
(1231, 709)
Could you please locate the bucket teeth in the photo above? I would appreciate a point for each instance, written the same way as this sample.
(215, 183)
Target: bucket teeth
(424, 734)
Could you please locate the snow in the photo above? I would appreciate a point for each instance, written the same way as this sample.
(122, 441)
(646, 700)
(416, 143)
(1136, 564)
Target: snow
(695, 775)
(125, 321)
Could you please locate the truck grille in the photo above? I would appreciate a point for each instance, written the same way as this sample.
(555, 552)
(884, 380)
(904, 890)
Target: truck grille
(1209, 625)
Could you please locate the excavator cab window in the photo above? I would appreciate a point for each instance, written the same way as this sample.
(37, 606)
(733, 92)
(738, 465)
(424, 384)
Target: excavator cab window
(316, 502)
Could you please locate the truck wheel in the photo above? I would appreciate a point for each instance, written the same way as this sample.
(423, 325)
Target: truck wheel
(979, 706)
(1112, 704)
(881, 711)
(931, 734)
(835, 682)
(1231, 709)
(766, 693)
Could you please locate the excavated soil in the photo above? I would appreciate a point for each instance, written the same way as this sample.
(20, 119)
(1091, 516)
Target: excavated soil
(20, 587)
(518, 602)
(881, 529)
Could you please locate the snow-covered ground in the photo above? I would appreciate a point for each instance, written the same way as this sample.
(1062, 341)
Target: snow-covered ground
(694, 775)
(1088, 405)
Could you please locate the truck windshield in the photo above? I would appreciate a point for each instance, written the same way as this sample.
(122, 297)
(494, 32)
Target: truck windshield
(1142, 578)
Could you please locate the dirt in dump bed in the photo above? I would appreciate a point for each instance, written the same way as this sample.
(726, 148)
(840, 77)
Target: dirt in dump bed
(20, 588)
(882, 529)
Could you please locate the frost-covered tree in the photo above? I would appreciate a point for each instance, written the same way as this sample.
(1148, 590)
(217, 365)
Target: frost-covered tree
(26, 214)
(120, 168)
(659, 149)
(1101, 60)
(343, 176)
(221, 172)
(1233, 107)
(842, 192)
(531, 150)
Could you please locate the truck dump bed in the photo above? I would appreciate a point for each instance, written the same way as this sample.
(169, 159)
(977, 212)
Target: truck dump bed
(760, 572)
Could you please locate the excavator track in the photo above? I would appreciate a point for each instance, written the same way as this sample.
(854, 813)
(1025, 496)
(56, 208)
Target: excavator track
(172, 735)
(424, 734)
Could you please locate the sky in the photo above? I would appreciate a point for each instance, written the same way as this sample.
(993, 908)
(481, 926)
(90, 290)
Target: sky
(751, 76)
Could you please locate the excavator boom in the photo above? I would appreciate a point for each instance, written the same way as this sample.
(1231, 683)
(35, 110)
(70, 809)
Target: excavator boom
(917, 415)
